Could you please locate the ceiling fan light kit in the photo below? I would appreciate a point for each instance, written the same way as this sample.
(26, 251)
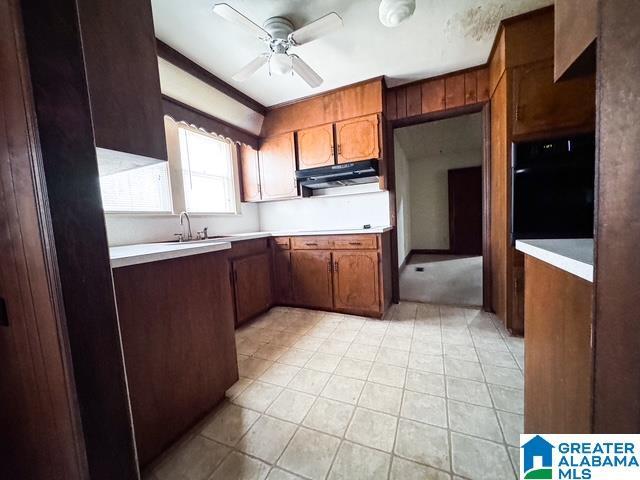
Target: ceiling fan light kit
(393, 12)
(280, 35)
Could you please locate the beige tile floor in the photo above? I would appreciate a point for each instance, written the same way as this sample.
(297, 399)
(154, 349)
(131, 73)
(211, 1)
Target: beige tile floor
(431, 392)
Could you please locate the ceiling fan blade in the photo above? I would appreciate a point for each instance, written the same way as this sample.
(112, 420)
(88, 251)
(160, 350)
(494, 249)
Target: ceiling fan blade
(316, 29)
(307, 73)
(252, 67)
(232, 15)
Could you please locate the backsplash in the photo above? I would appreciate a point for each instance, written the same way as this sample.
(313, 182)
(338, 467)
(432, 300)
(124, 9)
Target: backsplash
(320, 213)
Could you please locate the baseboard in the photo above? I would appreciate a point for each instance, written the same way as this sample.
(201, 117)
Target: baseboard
(404, 263)
(423, 251)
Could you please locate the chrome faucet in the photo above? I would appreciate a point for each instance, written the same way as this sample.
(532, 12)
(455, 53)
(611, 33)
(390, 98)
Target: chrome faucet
(184, 215)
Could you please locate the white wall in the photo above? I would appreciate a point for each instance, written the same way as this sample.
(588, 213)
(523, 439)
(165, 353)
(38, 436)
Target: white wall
(178, 84)
(430, 196)
(325, 213)
(124, 229)
(403, 202)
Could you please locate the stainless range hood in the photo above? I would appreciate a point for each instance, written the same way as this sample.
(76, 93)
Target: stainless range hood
(342, 175)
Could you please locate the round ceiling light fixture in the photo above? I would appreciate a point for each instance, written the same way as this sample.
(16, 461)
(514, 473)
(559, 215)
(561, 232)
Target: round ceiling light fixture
(393, 12)
(280, 63)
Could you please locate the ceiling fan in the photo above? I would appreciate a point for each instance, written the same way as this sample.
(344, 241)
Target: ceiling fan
(279, 35)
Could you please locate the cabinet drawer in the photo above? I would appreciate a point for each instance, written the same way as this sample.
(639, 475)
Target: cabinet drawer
(282, 243)
(355, 242)
(311, 243)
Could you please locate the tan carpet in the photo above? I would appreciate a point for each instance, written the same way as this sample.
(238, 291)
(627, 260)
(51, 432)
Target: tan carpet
(446, 279)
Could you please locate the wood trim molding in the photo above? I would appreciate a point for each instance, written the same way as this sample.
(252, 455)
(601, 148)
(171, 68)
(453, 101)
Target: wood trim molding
(179, 60)
(182, 112)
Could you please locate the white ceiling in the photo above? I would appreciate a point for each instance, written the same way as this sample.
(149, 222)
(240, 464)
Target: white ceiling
(442, 36)
(458, 134)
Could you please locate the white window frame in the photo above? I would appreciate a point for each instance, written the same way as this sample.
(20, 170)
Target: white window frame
(172, 130)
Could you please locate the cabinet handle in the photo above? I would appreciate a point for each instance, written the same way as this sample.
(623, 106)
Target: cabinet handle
(311, 244)
(335, 267)
(339, 149)
(329, 266)
(355, 243)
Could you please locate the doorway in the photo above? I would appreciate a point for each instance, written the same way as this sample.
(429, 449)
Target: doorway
(439, 210)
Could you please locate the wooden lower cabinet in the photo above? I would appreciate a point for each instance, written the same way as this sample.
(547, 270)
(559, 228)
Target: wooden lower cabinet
(343, 273)
(252, 285)
(282, 284)
(177, 329)
(311, 278)
(355, 281)
(558, 375)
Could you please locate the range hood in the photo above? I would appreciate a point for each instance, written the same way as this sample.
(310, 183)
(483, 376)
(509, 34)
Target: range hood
(342, 175)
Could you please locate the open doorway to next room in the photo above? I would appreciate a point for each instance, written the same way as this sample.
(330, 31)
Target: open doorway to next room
(439, 210)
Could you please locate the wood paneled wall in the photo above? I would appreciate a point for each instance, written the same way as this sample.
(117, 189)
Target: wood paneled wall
(78, 234)
(349, 102)
(39, 418)
(617, 268)
(438, 94)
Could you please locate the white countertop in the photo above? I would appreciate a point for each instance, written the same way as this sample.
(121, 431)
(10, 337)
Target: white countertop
(126, 255)
(573, 255)
(152, 252)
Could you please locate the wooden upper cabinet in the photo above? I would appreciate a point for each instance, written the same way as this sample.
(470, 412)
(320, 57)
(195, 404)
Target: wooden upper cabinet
(119, 47)
(355, 281)
(250, 173)
(278, 167)
(358, 139)
(252, 285)
(540, 106)
(315, 147)
(576, 29)
(311, 278)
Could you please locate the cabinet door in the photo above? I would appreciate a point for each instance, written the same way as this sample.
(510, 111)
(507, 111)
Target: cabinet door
(311, 278)
(250, 173)
(278, 167)
(315, 147)
(355, 281)
(282, 289)
(119, 47)
(252, 285)
(358, 139)
(542, 106)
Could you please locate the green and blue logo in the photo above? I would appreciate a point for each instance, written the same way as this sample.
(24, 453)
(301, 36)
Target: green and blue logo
(579, 457)
(538, 459)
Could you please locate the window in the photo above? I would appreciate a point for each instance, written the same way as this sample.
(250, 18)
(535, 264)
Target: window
(200, 177)
(207, 173)
(143, 189)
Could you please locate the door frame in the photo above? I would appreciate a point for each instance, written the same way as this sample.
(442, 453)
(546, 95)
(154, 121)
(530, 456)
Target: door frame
(389, 128)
